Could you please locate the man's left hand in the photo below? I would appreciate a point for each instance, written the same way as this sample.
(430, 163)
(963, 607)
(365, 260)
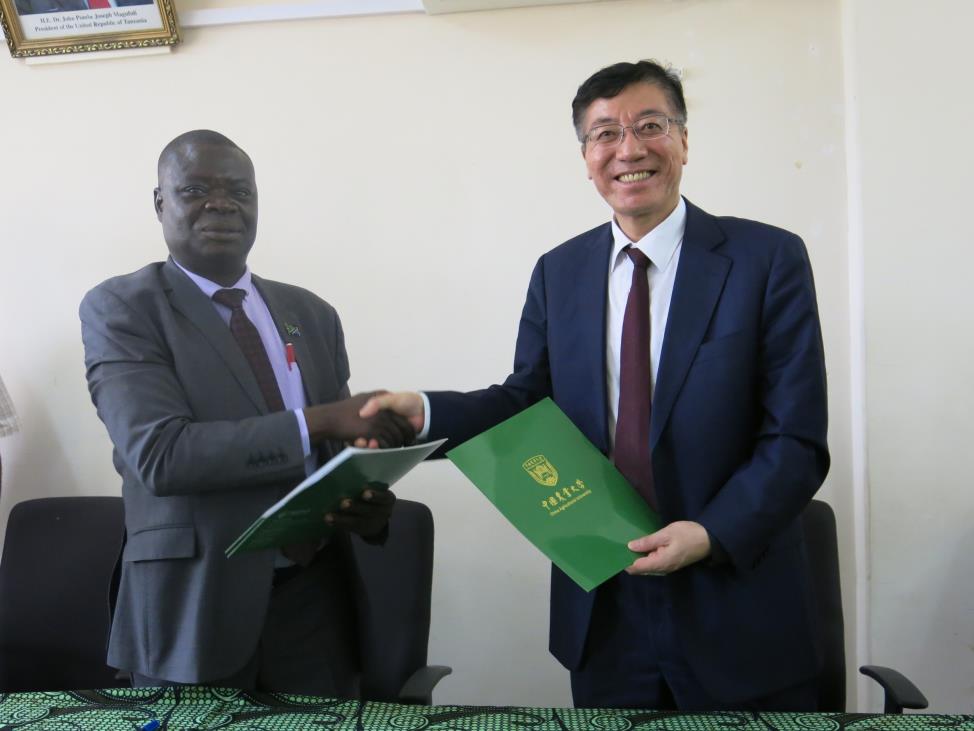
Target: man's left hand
(670, 549)
(366, 514)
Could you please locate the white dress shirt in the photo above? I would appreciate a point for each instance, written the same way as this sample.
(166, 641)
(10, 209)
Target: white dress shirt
(662, 245)
(288, 376)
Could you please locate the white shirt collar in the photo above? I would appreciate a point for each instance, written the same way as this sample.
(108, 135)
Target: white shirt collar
(209, 287)
(659, 244)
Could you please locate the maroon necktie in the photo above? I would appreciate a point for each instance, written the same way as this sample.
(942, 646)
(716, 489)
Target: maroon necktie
(632, 454)
(247, 337)
(98, 4)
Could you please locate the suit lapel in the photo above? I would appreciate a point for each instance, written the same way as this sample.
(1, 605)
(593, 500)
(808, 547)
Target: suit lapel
(589, 321)
(696, 291)
(284, 315)
(188, 299)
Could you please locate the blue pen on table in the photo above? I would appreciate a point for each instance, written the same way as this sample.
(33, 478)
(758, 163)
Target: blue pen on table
(151, 725)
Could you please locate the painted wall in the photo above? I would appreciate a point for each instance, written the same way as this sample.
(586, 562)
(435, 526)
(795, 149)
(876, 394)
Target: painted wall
(916, 154)
(411, 171)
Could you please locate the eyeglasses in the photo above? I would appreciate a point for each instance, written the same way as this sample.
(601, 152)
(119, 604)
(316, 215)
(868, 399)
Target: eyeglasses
(649, 127)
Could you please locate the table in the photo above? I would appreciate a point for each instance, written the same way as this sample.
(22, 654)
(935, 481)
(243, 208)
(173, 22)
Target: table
(206, 709)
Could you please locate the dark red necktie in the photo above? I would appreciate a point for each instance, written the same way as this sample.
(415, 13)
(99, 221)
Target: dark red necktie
(247, 337)
(98, 4)
(631, 453)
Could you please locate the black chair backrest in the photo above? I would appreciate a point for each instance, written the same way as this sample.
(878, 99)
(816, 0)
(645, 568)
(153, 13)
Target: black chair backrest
(55, 575)
(394, 617)
(822, 543)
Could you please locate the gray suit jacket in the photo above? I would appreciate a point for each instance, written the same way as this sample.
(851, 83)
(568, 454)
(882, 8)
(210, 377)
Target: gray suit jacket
(200, 459)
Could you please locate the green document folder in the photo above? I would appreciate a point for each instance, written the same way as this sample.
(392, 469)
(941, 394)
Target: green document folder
(559, 491)
(299, 515)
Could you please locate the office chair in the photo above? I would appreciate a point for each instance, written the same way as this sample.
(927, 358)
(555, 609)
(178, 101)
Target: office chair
(55, 575)
(394, 609)
(821, 539)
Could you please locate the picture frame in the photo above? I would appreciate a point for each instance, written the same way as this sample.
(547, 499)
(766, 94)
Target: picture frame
(54, 27)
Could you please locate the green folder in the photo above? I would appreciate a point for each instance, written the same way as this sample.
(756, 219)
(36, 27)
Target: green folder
(299, 515)
(559, 491)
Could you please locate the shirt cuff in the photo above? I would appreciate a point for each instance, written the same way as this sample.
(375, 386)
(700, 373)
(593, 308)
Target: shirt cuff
(303, 428)
(426, 418)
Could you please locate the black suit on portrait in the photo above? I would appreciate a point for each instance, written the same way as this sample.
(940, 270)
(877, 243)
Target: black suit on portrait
(200, 458)
(31, 7)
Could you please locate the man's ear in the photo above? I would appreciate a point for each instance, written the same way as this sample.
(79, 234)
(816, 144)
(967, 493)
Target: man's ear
(157, 202)
(586, 161)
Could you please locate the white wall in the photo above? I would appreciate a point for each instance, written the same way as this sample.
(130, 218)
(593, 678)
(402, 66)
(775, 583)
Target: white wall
(916, 155)
(391, 183)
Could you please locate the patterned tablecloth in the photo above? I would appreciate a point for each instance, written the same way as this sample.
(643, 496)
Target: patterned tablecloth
(191, 708)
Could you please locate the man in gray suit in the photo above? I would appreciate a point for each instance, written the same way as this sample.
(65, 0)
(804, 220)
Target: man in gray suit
(216, 407)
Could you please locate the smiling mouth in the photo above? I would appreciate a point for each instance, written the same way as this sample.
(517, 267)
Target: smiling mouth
(636, 177)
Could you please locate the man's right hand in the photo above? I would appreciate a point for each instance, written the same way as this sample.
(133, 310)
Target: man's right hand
(342, 421)
(408, 404)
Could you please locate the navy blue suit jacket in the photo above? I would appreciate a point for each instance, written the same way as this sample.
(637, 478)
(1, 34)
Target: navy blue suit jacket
(738, 434)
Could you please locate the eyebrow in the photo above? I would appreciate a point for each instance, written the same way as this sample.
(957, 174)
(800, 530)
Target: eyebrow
(218, 179)
(612, 120)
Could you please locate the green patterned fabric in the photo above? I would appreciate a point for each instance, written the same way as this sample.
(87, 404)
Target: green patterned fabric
(207, 709)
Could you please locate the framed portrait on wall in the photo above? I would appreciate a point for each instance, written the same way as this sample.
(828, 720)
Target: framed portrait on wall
(53, 27)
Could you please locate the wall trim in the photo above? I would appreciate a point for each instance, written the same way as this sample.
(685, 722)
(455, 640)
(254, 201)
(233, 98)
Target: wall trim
(857, 354)
(343, 8)
(295, 11)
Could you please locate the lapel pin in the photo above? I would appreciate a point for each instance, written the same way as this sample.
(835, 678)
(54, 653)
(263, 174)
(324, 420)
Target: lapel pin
(293, 330)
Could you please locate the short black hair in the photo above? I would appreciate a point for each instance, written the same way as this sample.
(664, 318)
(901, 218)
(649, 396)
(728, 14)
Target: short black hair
(195, 137)
(610, 81)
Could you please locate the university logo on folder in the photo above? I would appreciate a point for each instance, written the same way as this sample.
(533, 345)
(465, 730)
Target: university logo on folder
(559, 491)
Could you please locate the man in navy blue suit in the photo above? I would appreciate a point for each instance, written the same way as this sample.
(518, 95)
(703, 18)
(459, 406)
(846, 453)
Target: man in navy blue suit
(688, 348)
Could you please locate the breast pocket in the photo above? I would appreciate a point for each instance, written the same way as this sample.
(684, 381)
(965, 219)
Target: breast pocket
(161, 542)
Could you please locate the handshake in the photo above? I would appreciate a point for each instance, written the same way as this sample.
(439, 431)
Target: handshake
(375, 419)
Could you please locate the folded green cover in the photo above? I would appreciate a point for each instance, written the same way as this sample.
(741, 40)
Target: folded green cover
(559, 491)
(299, 515)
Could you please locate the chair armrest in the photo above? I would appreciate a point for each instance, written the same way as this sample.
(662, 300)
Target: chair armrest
(898, 690)
(418, 688)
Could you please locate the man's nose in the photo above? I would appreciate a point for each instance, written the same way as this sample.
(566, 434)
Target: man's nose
(630, 147)
(220, 202)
